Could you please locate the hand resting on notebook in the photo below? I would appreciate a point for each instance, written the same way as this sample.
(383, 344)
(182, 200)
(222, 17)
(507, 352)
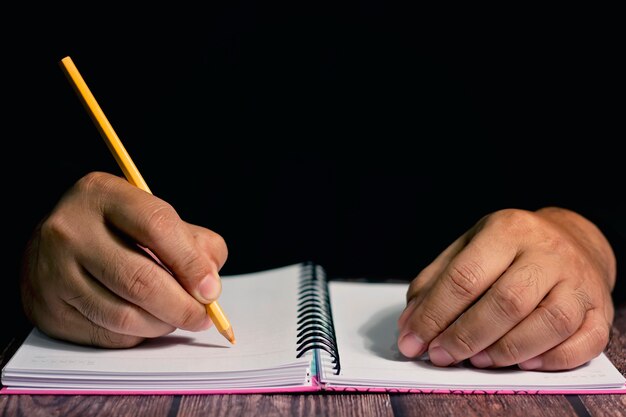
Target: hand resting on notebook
(520, 287)
(85, 279)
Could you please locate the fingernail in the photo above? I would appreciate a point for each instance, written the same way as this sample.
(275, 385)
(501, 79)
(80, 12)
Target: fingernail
(481, 360)
(209, 289)
(410, 345)
(405, 314)
(439, 356)
(531, 364)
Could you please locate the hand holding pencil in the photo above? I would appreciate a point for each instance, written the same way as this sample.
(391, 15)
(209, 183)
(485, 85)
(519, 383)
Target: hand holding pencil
(95, 281)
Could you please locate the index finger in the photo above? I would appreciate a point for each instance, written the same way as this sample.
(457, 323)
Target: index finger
(154, 224)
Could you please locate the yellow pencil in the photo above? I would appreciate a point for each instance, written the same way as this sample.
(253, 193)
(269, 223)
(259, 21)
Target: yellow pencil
(128, 167)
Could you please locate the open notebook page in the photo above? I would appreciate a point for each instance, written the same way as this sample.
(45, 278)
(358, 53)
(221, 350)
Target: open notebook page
(262, 310)
(365, 317)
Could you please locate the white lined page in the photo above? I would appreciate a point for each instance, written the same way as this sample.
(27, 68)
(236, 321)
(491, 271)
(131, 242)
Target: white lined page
(262, 308)
(365, 317)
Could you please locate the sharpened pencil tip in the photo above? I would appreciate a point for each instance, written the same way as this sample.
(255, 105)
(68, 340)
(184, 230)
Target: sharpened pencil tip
(228, 334)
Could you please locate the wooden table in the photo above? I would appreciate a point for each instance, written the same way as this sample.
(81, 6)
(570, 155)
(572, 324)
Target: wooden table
(328, 404)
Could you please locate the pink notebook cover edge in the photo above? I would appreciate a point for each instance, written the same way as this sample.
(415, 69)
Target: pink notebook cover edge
(314, 387)
(559, 391)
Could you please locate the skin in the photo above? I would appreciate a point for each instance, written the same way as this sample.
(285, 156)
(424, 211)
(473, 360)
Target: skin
(88, 278)
(112, 265)
(531, 289)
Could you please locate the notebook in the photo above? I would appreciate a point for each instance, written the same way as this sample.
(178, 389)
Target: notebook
(296, 331)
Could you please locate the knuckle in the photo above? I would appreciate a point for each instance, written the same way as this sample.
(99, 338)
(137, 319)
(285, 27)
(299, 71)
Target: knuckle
(160, 220)
(431, 322)
(87, 307)
(94, 181)
(59, 224)
(58, 316)
(509, 352)
(585, 301)
(514, 220)
(466, 342)
(411, 291)
(590, 344)
(509, 303)
(96, 185)
(218, 242)
(56, 228)
(189, 317)
(565, 357)
(214, 245)
(419, 284)
(528, 277)
(465, 279)
(99, 336)
(599, 337)
(220, 248)
(560, 318)
(193, 263)
(123, 320)
(140, 284)
(520, 222)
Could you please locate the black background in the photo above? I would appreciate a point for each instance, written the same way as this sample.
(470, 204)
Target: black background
(365, 137)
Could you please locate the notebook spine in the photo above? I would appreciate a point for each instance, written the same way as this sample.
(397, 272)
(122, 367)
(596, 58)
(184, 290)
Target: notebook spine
(316, 329)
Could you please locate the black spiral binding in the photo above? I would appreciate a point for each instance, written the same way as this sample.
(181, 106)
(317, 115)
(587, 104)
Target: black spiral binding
(315, 322)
